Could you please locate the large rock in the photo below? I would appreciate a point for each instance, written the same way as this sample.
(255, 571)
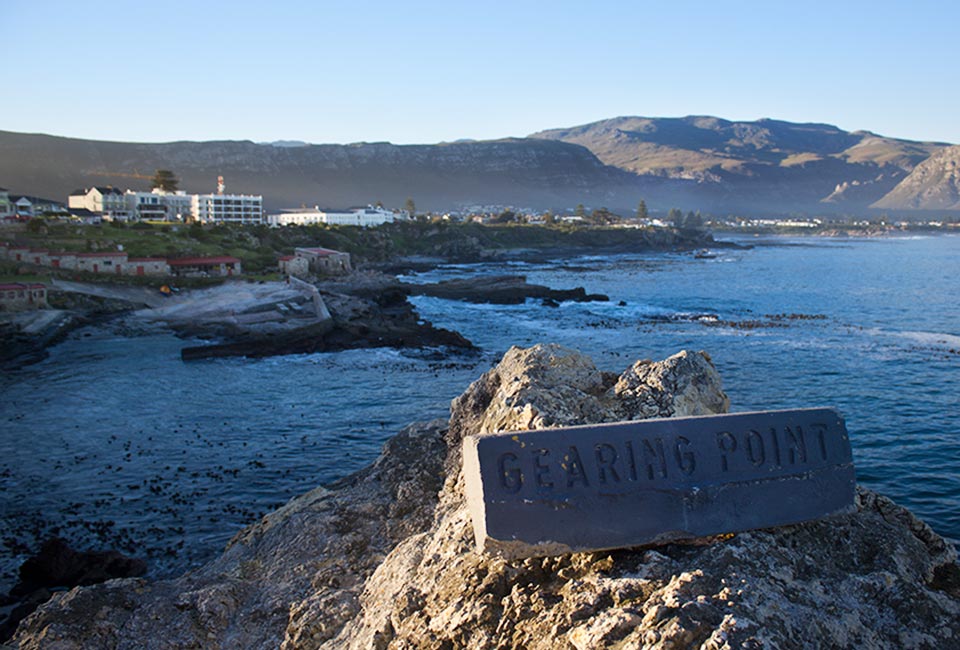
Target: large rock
(376, 561)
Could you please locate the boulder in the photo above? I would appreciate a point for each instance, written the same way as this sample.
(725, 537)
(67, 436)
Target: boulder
(379, 560)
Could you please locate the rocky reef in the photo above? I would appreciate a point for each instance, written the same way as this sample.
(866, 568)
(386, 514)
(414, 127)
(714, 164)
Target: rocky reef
(385, 558)
(273, 318)
(501, 289)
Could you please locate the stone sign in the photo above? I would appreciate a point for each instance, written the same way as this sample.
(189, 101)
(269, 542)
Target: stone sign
(554, 491)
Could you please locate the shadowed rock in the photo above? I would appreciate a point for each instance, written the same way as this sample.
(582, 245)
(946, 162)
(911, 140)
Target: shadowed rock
(58, 565)
(500, 289)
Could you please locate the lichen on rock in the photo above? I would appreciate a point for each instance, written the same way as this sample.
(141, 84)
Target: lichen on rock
(385, 558)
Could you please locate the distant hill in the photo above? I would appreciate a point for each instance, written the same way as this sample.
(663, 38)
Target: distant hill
(514, 171)
(934, 184)
(763, 163)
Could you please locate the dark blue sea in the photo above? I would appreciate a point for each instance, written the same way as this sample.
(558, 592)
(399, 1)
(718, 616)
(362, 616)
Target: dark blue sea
(113, 442)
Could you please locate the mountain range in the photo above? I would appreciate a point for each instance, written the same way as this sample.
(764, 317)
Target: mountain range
(706, 163)
(766, 164)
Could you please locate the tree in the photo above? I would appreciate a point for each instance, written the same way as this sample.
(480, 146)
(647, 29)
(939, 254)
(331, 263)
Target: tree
(507, 216)
(580, 211)
(37, 226)
(601, 216)
(164, 180)
(642, 212)
(675, 216)
(411, 207)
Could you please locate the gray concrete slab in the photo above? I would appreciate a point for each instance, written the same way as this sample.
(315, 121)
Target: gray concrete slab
(133, 294)
(553, 491)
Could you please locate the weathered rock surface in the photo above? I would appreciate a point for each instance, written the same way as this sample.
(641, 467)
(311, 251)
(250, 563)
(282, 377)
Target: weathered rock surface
(933, 185)
(372, 314)
(376, 561)
(58, 565)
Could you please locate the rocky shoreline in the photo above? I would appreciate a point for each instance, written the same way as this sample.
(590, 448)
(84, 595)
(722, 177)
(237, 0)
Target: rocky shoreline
(372, 310)
(385, 558)
(25, 337)
(362, 310)
(383, 321)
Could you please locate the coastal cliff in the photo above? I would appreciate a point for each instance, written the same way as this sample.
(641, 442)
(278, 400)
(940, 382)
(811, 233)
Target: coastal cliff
(384, 558)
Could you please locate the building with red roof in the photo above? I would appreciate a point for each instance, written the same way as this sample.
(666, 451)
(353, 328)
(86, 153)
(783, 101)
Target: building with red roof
(105, 262)
(146, 266)
(325, 261)
(22, 296)
(205, 266)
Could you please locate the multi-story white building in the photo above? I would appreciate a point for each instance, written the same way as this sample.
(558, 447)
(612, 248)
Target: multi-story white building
(364, 217)
(107, 201)
(227, 208)
(159, 205)
(7, 209)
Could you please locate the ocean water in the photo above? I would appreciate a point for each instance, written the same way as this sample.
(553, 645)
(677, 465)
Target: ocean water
(114, 442)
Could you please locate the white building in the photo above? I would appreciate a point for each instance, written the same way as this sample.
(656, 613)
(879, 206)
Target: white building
(227, 208)
(7, 209)
(35, 206)
(159, 205)
(107, 201)
(363, 217)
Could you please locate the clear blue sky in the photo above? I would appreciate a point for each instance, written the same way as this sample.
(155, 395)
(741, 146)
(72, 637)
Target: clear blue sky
(412, 72)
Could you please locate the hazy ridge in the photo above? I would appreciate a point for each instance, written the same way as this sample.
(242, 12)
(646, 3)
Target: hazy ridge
(696, 162)
(761, 162)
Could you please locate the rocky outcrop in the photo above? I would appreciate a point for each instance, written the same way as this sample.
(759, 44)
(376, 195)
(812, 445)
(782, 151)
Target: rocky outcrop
(25, 336)
(373, 316)
(378, 561)
(58, 565)
(501, 289)
(933, 185)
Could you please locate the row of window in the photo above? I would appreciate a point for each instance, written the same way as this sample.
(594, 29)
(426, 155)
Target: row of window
(22, 294)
